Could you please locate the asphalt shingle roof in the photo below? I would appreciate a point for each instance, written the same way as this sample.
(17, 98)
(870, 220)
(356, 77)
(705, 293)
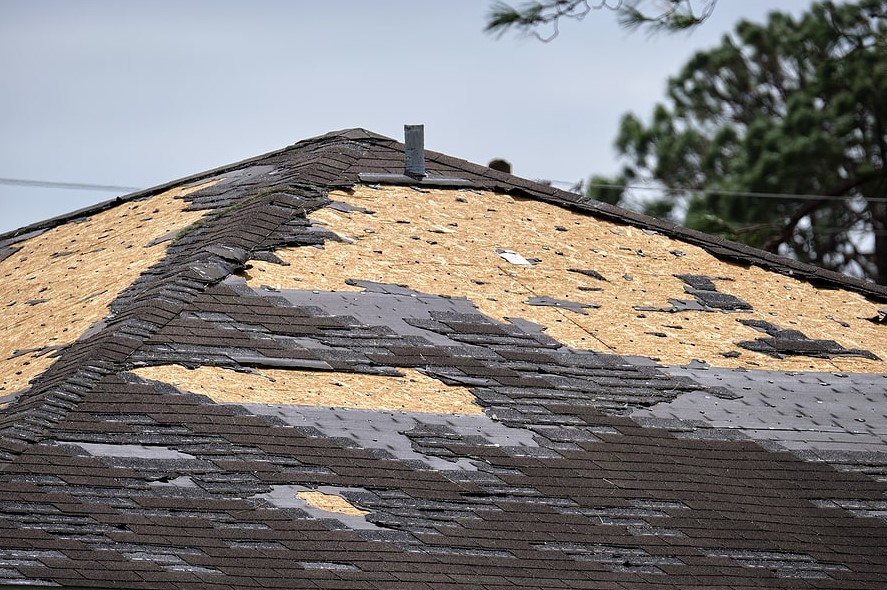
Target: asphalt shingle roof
(312, 381)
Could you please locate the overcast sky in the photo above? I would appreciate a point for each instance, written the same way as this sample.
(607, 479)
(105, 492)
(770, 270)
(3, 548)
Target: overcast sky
(137, 93)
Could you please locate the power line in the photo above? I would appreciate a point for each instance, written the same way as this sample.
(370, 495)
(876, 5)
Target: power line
(666, 189)
(728, 193)
(69, 185)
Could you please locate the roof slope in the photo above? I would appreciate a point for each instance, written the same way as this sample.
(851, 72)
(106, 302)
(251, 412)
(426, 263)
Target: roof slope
(285, 374)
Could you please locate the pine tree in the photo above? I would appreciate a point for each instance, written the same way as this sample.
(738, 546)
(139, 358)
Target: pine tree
(793, 107)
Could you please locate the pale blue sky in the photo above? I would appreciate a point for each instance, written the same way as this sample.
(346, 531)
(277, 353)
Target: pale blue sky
(137, 93)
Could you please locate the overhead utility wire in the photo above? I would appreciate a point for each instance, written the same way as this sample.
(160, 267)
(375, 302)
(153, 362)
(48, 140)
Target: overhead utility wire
(797, 197)
(69, 185)
(666, 189)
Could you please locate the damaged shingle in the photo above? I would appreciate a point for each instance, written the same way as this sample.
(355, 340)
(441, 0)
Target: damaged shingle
(346, 208)
(706, 295)
(573, 306)
(705, 292)
(7, 251)
(881, 318)
(588, 272)
(783, 342)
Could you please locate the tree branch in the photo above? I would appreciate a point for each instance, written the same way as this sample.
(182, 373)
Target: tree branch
(810, 207)
(530, 16)
(678, 16)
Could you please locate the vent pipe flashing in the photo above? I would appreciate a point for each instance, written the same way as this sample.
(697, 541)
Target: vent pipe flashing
(414, 152)
(413, 165)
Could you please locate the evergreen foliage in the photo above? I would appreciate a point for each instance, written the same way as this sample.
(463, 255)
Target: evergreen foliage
(794, 107)
(531, 17)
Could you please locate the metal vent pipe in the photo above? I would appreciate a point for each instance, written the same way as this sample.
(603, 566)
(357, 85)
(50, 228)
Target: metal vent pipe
(414, 153)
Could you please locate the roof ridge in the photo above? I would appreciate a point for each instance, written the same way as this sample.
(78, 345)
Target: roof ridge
(324, 173)
(201, 255)
(11, 237)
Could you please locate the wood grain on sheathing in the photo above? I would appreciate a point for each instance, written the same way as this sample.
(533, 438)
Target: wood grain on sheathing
(452, 242)
(414, 392)
(330, 503)
(61, 282)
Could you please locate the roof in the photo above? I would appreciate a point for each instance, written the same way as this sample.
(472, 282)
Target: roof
(306, 371)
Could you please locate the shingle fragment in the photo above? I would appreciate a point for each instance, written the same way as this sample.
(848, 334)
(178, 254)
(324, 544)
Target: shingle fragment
(783, 342)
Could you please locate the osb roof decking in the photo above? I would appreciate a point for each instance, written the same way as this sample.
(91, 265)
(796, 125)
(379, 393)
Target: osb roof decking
(276, 375)
(59, 283)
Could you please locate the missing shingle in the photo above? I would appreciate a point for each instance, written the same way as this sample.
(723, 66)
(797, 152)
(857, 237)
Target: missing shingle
(440, 439)
(465, 264)
(412, 391)
(330, 503)
(326, 503)
(175, 482)
(133, 451)
(54, 276)
(384, 433)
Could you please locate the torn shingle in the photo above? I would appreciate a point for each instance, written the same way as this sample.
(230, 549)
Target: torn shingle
(707, 294)
(588, 272)
(346, 208)
(784, 342)
(573, 306)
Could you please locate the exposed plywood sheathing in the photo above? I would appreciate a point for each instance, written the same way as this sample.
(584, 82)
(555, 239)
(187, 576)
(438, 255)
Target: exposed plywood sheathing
(330, 503)
(414, 392)
(60, 282)
(445, 242)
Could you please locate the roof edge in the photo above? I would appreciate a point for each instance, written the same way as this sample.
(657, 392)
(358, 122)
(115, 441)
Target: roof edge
(16, 235)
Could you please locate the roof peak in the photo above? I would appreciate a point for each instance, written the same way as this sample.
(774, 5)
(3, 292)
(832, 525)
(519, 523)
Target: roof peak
(340, 158)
